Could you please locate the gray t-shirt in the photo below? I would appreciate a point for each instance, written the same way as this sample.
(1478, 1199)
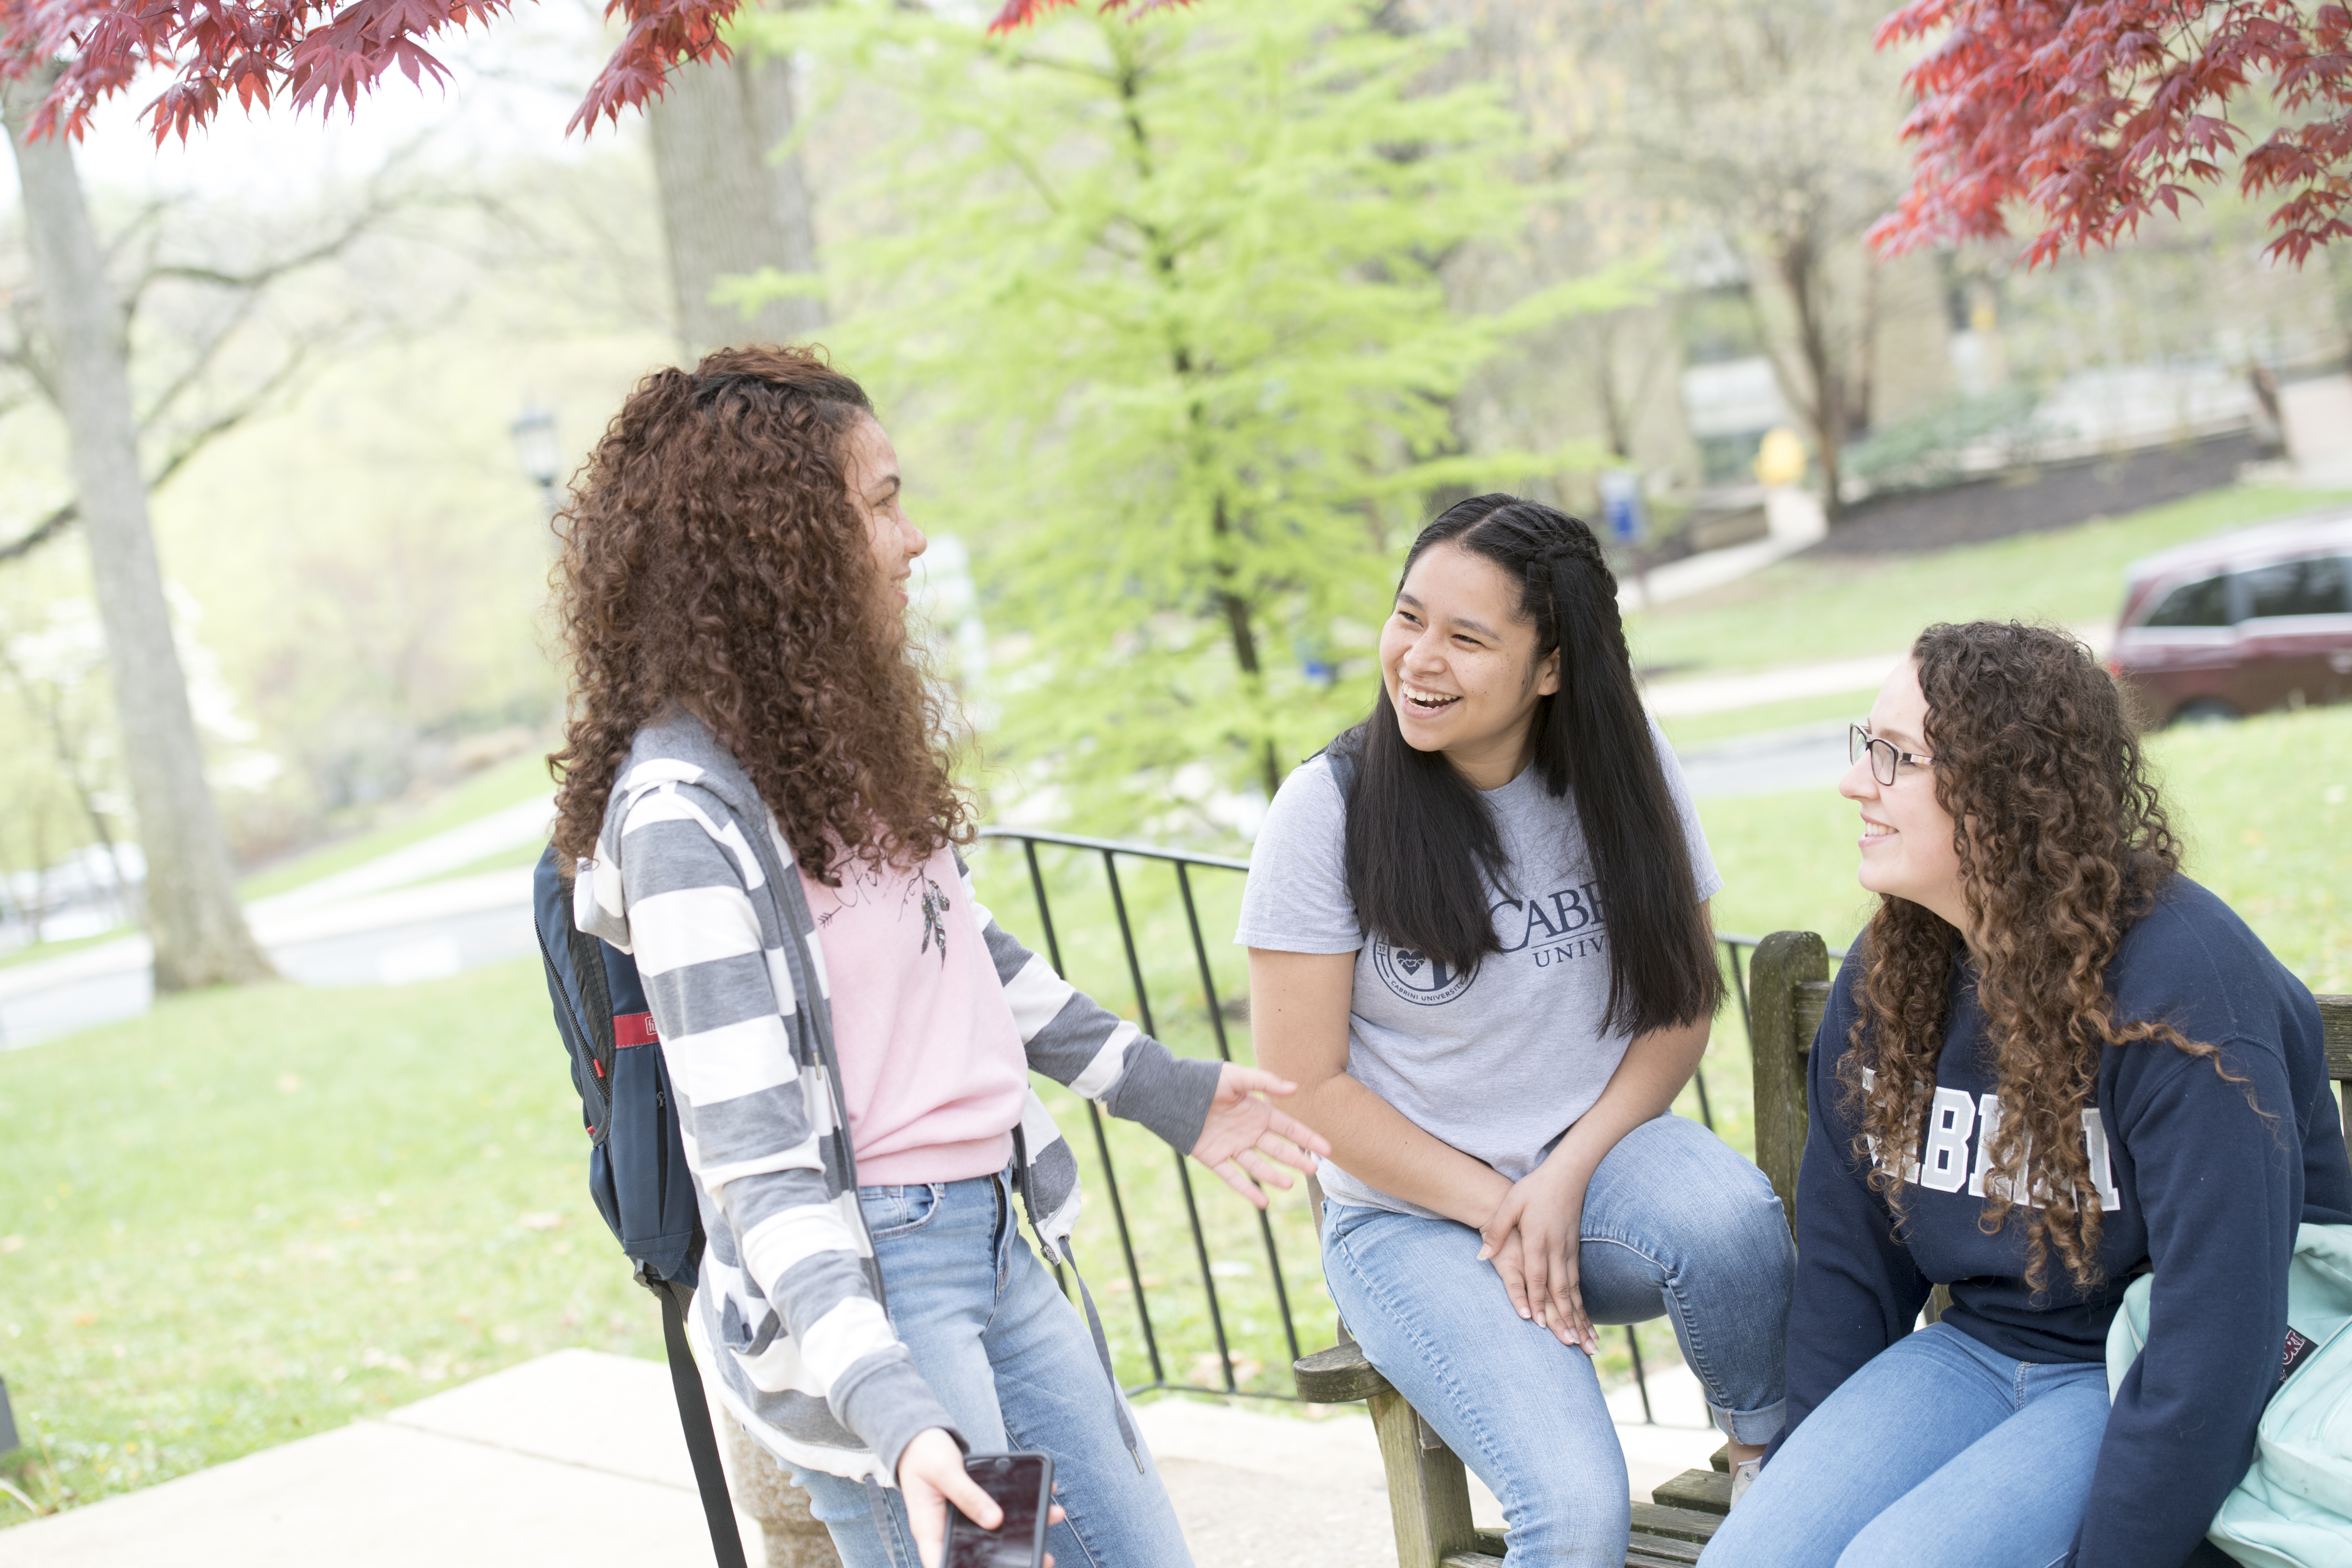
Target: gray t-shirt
(1498, 1063)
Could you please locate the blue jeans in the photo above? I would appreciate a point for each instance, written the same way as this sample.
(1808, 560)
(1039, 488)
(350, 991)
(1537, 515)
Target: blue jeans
(1675, 1223)
(1938, 1454)
(1011, 1361)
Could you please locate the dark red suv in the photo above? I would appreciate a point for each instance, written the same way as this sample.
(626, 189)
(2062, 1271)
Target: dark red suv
(2244, 621)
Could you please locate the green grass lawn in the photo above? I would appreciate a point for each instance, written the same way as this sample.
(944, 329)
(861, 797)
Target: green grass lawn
(1822, 607)
(255, 1215)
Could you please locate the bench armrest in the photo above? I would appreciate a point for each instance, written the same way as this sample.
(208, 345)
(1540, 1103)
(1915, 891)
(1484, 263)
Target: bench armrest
(1338, 1375)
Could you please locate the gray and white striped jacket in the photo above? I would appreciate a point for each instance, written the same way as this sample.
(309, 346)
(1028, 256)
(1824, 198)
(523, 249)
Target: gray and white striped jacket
(694, 879)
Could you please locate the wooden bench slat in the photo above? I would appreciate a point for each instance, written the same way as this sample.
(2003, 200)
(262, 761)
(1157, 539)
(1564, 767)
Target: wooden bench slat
(1653, 1523)
(1665, 1519)
(1658, 1548)
(1701, 1491)
(1647, 1551)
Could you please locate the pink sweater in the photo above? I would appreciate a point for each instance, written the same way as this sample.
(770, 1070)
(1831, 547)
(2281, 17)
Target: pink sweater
(932, 1062)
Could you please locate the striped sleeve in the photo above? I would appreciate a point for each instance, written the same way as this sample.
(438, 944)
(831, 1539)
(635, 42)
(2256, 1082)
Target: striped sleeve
(753, 1119)
(1077, 1041)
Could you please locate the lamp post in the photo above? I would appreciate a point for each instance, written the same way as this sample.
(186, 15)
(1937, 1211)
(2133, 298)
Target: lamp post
(538, 451)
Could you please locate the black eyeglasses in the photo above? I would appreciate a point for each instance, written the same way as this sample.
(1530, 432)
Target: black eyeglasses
(1885, 756)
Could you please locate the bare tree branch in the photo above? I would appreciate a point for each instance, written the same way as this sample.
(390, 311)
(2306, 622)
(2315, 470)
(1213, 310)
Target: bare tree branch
(237, 413)
(206, 352)
(41, 533)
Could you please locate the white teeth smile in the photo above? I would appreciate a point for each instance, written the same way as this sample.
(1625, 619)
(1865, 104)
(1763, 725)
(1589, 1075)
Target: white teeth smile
(1874, 829)
(1427, 702)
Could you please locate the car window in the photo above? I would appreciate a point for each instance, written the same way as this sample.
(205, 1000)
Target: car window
(2314, 586)
(2205, 603)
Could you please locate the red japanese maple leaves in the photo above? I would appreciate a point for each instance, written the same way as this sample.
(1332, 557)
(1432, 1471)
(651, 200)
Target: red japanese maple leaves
(326, 52)
(2097, 112)
(308, 51)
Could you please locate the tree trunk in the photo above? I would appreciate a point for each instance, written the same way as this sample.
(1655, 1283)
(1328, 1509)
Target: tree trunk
(1799, 261)
(192, 912)
(726, 209)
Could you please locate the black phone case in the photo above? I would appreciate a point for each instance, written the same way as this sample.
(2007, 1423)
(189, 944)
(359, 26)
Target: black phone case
(960, 1526)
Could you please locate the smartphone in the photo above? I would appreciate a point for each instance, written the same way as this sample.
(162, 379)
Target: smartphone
(1023, 1486)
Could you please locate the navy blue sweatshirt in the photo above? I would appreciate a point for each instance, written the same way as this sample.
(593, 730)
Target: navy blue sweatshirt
(2194, 1184)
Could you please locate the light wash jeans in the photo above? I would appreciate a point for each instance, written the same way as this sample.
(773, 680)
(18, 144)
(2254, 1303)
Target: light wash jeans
(1675, 1223)
(1014, 1364)
(1938, 1454)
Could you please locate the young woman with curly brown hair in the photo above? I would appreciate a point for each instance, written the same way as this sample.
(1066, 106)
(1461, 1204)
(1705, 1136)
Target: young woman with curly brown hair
(2092, 1069)
(756, 791)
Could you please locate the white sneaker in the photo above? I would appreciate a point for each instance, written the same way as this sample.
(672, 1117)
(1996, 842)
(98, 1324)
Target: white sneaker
(1743, 1476)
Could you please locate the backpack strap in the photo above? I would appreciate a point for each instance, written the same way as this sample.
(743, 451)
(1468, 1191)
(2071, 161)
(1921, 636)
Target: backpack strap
(694, 1415)
(1340, 755)
(1094, 1318)
(880, 1506)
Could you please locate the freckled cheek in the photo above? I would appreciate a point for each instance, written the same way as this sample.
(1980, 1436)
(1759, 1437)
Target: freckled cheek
(1395, 646)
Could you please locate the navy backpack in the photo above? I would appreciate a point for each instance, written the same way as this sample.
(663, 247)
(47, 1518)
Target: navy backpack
(637, 1158)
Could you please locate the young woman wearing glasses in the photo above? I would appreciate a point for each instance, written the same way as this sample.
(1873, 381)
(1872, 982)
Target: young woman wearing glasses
(1479, 942)
(2092, 1069)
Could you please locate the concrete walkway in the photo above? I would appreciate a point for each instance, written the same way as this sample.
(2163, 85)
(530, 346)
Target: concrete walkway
(576, 1458)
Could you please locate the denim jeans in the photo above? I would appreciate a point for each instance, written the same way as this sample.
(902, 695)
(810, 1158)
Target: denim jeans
(1014, 1364)
(1938, 1454)
(1675, 1223)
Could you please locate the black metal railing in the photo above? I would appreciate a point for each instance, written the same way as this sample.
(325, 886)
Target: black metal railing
(1109, 853)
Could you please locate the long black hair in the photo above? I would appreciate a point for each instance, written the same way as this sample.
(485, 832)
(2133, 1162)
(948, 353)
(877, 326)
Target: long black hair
(1422, 848)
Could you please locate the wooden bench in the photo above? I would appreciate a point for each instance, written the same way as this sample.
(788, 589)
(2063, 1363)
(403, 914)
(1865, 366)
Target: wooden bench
(1429, 1493)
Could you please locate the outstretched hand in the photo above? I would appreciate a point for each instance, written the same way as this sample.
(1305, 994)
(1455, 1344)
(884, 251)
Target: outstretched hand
(1244, 1137)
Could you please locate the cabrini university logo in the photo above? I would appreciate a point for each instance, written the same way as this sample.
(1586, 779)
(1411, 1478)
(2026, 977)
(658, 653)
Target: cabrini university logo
(1417, 977)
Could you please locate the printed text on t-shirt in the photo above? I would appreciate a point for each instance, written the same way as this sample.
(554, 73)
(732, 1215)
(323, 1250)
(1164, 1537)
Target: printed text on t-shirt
(1556, 927)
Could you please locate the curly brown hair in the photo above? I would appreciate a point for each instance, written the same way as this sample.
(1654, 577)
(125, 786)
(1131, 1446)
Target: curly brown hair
(2062, 845)
(714, 559)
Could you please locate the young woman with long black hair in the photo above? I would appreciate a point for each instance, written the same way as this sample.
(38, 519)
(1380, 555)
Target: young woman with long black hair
(2093, 1070)
(1479, 942)
(756, 788)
